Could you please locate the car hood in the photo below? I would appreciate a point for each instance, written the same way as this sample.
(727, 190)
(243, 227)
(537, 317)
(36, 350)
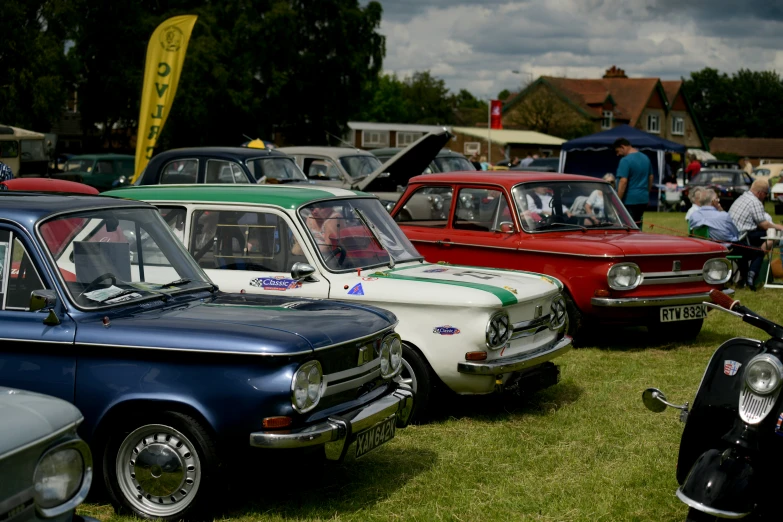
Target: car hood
(29, 417)
(253, 324)
(410, 161)
(449, 285)
(619, 244)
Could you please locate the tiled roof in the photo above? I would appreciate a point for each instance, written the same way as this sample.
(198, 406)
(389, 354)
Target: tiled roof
(671, 88)
(751, 147)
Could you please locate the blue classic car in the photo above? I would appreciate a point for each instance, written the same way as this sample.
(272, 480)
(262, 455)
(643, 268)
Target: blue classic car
(102, 306)
(45, 468)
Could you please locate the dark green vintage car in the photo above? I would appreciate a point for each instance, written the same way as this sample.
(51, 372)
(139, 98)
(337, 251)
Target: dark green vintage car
(102, 171)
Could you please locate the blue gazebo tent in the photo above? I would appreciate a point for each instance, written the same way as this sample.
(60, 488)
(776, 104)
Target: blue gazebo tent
(594, 156)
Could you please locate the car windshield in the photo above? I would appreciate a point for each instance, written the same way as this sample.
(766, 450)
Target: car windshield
(337, 229)
(116, 255)
(562, 205)
(360, 166)
(453, 164)
(278, 169)
(715, 178)
(79, 165)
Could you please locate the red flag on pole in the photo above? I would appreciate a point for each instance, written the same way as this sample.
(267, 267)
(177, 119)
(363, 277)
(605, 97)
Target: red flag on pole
(495, 111)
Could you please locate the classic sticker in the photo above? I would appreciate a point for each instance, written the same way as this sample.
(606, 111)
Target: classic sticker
(445, 330)
(279, 283)
(731, 368)
(435, 270)
(356, 290)
(779, 426)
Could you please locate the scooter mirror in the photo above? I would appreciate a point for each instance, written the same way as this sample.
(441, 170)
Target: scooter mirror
(654, 400)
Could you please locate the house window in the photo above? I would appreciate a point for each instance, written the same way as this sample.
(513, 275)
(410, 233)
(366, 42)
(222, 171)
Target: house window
(472, 147)
(606, 122)
(375, 138)
(406, 138)
(653, 123)
(72, 103)
(678, 126)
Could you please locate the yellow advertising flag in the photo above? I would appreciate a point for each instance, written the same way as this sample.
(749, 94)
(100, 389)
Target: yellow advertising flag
(165, 56)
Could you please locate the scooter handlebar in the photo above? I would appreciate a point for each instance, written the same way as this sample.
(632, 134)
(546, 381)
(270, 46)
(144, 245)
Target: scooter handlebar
(748, 315)
(723, 300)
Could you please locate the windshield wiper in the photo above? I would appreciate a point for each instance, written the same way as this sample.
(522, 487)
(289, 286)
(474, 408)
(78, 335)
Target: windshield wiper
(374, 233)
(121, 294)
(552, 225)
(178, 282)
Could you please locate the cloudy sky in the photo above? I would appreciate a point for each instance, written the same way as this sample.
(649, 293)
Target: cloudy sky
(476, 44)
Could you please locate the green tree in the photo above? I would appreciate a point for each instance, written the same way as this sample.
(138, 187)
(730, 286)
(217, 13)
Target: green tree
(428, 99)
(502, 95)
(35, 75)
(388, 103)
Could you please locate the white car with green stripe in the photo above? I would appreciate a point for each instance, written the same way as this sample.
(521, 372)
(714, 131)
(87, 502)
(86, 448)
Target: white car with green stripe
(476, 330)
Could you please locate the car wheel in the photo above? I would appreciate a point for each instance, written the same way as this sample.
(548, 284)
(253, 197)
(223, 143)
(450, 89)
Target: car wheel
(162, 468)
(416, 374)
(577, 326)
(676, 331)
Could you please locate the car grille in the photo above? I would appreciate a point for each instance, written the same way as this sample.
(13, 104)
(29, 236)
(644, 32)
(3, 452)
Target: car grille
(669, 278)
(528, 328)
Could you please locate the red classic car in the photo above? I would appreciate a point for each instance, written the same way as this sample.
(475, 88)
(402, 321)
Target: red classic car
(576, 229)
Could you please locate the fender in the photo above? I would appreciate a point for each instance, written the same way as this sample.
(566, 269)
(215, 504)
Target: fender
(720, 484)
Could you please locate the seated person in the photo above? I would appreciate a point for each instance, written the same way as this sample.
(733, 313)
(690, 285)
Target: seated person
(711, 214)
(695, 198)
(540, 201)
(324, 225)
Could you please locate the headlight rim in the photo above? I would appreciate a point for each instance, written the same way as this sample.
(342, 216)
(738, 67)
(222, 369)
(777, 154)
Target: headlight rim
(309, 407)
(723, 260)
(775, 362)
(386, 343)
(509, 328)
(639, 276)
(74, 501)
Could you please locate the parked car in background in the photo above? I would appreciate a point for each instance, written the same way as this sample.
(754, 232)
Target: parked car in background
(576, 229)
(45, 468)
(717, 164)
(446, 161)
(356, 169)
(769, 171)
(101, 171)
(47, 185)
(475, 330)
(729, 184)
(181, 384)
(540, 165)
(221, 165)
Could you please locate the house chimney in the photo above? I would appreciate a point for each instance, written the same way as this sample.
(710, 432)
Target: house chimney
(615, 72)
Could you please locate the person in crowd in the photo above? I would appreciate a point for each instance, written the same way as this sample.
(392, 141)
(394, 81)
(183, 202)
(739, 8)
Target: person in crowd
(484, 163)
(595, 201)
(695, 197)
(5, 172)
(514, 162)
(635, 177)
(747, 166)
(693, 168)
(475, 161)
(535, 157)
(749, 216)
(527, 161)
(711, 214)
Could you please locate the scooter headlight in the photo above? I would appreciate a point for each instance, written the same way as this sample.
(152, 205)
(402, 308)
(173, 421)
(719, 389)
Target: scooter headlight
(764, 374)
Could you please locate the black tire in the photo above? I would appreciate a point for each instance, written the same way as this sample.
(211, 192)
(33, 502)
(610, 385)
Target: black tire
(676, 331)
(577, 325)
(694, 515)
(181, 475)
(416, 373)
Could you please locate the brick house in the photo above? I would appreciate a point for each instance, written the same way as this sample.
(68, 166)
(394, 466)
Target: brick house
(768, 150)
(571, 107)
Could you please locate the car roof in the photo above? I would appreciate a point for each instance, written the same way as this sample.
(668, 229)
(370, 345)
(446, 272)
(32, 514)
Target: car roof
(506, 178)
(391, 151)
(218, 152)
(27, 208)
(332, 152)
(286, 196)
(48, 185)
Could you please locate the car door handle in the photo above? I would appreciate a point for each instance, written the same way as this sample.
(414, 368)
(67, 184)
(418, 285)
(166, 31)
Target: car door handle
(445, 243)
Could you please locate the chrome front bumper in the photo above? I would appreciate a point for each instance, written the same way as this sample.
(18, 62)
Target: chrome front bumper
(338, 432)
(631, 302)
(517, 362)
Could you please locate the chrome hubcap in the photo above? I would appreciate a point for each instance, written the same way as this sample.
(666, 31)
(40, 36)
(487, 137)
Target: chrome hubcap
(407, 376)
(158, 470)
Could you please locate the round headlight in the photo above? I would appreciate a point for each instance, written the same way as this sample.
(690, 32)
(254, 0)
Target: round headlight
(395, 354)
(624, 276)
(763, 374)
(386, 358)
(717, 271)
(498, 330)
(307, 386)
(58, 477)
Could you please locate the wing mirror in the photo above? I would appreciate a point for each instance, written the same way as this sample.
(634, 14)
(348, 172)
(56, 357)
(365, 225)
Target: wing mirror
(45, 300)
(506, 227)
(655, 401)
(301, 271)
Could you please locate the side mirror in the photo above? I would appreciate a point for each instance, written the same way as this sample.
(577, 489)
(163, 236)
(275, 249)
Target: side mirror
(302, 271)
(45, 300)
(506, 227)
(655, 401)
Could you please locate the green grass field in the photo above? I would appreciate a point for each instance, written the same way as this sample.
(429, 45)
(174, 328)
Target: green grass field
(583, 450)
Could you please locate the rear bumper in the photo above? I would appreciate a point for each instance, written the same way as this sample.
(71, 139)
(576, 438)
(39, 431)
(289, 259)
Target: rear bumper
(338, 432)
(637, 302)
(518, 362)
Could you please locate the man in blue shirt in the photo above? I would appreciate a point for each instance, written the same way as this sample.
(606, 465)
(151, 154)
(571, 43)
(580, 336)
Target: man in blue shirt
(710, 213)
(635, 179)
(5, 172)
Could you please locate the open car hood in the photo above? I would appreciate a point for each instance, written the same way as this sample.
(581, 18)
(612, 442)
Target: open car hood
(410, 161)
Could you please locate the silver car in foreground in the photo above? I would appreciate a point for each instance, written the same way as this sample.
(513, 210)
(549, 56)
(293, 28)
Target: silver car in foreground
(45, 468)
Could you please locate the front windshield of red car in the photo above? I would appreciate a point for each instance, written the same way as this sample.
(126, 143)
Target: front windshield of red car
(562, 205)
(344, 232)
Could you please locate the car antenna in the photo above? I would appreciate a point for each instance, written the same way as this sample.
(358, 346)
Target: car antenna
(342, 141)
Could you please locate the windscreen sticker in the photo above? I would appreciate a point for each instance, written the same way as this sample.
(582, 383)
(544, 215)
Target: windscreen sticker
(356, 290)
(278, 283)
(123, 298)
(103, 294)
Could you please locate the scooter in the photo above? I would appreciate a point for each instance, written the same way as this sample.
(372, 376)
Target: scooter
(731, 451)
